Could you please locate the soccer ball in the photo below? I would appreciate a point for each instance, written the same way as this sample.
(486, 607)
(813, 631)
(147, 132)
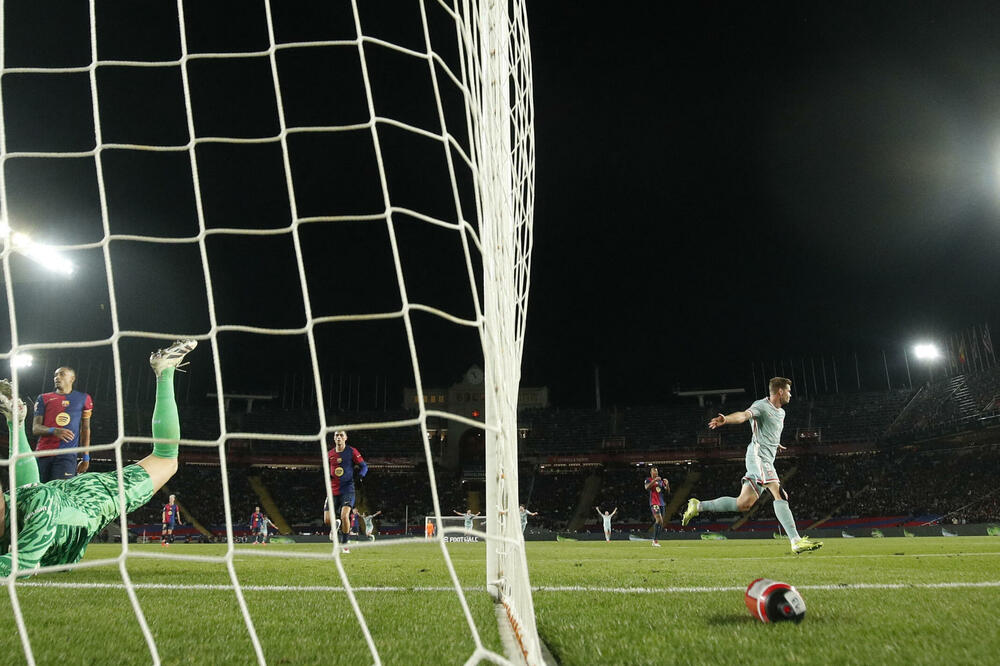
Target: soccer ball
(773, 601)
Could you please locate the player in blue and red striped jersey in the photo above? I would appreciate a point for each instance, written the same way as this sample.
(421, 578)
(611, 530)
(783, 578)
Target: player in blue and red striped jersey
(257, 519)
(342, 460)
(171, 516)
(62, 421)
(354, 525)
(658, 488)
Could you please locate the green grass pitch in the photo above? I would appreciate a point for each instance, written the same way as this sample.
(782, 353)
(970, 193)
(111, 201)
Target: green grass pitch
(871, 601)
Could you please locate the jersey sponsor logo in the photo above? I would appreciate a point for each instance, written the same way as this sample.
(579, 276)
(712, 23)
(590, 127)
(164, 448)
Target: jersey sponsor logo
(62, 419)
(339, 471)
(35, 513)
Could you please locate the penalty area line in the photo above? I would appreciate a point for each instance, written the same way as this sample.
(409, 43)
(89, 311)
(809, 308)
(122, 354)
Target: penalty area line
(540, 588)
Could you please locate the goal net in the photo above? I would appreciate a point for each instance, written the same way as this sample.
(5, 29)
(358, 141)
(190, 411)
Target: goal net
(304, 189)
(453, 528)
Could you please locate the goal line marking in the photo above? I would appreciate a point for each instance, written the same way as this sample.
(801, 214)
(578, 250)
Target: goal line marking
(540, 588)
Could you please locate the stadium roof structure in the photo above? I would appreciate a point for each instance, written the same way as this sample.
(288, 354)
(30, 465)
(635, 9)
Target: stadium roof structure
(701, 393)
(227, 397)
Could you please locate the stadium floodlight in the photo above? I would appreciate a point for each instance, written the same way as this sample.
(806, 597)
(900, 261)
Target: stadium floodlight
(926, 351)
(42, 254)
(21, 360)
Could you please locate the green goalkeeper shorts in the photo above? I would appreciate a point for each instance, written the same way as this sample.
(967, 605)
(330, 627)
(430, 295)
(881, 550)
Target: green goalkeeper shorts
(96, 494)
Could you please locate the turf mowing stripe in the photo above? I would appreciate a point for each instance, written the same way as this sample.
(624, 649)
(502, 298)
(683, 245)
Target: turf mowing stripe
(543, 588)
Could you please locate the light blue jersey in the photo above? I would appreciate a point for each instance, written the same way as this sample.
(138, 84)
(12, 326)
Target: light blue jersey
(765, 427)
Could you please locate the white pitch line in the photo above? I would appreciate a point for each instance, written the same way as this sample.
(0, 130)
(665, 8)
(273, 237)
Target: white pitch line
(786, 554)
(540, 588)
(837, 586)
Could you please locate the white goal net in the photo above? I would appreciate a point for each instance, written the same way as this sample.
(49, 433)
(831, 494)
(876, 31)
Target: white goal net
(295, 188)
(454, 528)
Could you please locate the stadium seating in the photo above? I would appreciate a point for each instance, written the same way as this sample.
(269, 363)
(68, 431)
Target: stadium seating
(876, 471)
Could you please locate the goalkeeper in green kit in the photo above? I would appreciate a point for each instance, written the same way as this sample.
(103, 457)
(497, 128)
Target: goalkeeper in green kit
(57, 520)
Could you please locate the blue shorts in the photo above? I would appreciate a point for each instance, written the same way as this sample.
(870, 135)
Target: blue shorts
(341, 500)
(169, 524)
(52, 468)
(656, 509)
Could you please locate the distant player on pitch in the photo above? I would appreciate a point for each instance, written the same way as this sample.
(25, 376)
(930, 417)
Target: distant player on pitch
(767, 418)
(259, 523)
(658, 488)
(369, 519)
(171, 517)
(355, 519)
(524, 517)
(606, 517)
(62, 421)
(342, 459)
(469, 517)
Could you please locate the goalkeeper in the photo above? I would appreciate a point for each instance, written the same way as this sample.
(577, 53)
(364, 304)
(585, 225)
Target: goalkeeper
(57, 520)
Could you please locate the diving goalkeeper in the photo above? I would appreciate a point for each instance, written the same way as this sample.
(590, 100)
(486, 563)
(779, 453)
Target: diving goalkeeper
(58, 519)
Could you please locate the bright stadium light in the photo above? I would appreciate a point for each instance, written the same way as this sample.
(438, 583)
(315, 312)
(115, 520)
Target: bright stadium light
(41, 254)
(21, 360)
(926, 351)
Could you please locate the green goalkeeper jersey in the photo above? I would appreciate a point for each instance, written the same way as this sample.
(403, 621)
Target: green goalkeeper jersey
(57, 520)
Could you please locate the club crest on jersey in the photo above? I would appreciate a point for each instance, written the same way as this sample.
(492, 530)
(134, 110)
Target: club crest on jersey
(65, 403)
(339, 471)
(62, 419)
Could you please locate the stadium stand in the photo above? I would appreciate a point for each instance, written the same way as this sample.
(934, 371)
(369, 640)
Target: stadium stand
(926, 454)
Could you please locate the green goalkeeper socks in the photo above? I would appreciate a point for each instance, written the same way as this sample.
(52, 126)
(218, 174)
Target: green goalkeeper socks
(166, 424)
(26, 469)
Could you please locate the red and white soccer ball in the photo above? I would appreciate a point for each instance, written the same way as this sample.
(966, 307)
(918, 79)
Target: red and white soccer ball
(773, 601)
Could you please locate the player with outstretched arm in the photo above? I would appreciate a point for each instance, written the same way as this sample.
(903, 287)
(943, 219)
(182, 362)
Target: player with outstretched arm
(524, 517)
(658, 488)
(369, 519)
(258, 526)
(767, 418)
(342, 460)
(469, 517)
(606, 517)
(57, 520)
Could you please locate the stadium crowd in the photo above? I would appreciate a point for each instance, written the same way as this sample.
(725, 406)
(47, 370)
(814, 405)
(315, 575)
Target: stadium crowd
(888, 463)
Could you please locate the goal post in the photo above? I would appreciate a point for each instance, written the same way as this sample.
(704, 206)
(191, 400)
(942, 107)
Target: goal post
(506, 180)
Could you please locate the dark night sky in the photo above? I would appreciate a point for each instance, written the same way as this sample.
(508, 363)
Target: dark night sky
(731, 182)
(716, 184)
